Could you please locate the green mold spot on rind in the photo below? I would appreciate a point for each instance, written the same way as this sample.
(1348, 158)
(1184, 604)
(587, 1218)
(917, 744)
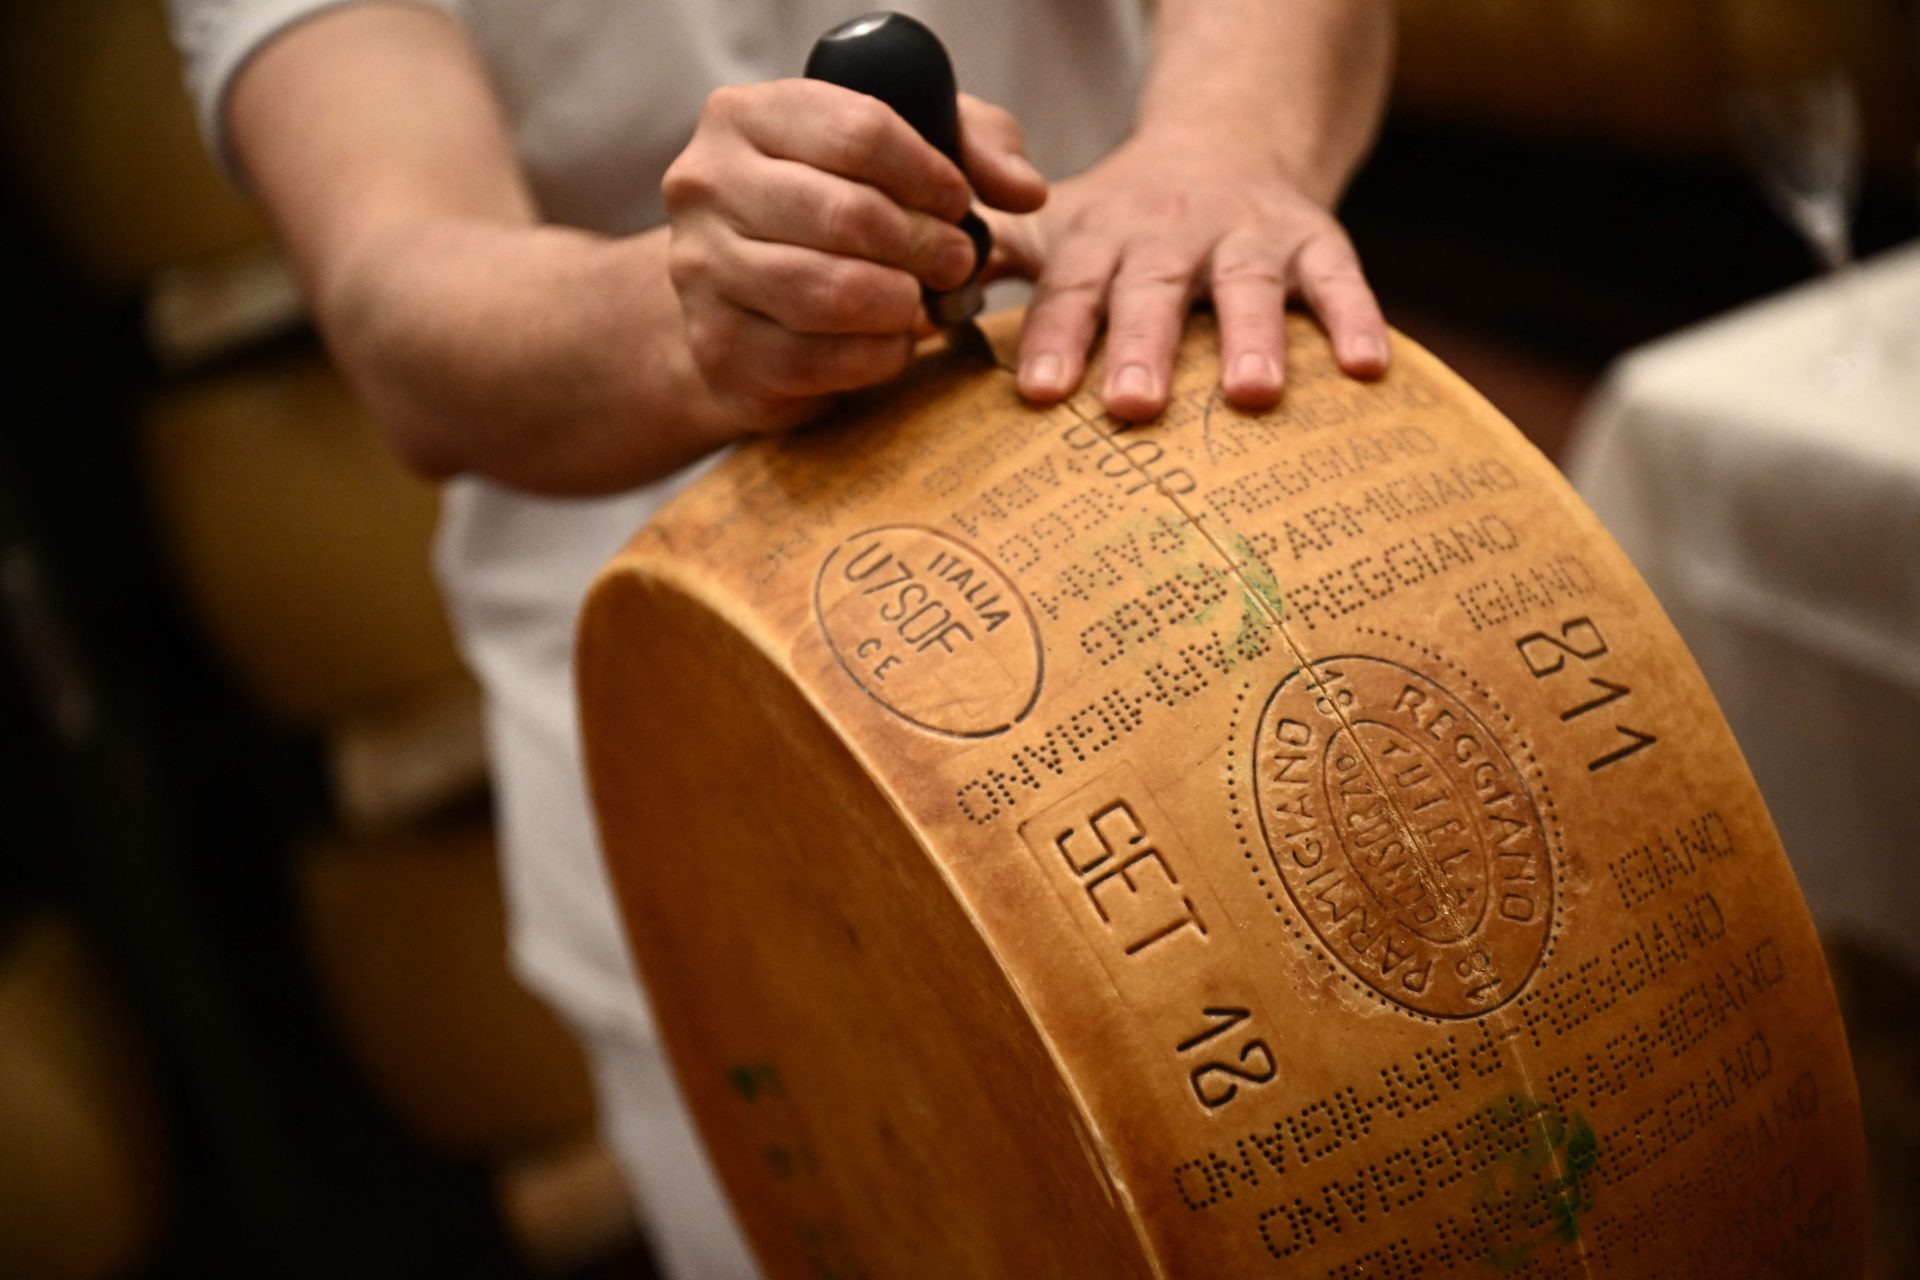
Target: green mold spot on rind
(1554, 1201)
(754, 1080)
(1259, 590)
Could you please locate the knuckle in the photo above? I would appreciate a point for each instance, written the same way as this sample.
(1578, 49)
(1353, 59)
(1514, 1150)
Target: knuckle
(686, 182)
(923, 239)
(1067, 309)
(1328, 250)
(1065, 283)
(847, 221)
(818, 293)
(726, 102)
(1096, 221)
(1155, 270)
(688, 261)
(859, 295)
(1329, 277)
(835, 292)
(859, 136)
(1233, 272)
(710, 337)
(1135, 339)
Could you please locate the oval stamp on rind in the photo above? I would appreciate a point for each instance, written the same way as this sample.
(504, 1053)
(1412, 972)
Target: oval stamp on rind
(1406, 837)
(930, 629)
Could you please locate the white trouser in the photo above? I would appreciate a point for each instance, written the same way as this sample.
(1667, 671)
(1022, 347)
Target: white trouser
(676, 1196)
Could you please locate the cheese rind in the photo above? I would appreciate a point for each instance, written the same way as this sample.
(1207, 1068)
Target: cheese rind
(1248, 844)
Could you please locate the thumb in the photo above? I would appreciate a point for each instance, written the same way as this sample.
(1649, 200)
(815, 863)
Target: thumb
(1018, 249)
(994, 154)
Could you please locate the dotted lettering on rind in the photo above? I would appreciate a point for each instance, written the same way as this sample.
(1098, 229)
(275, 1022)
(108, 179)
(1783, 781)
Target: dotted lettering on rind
(1690, 1059)
(1392, 950)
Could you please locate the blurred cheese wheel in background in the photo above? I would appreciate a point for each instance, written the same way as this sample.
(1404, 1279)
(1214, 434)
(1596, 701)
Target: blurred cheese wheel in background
(408, 938)
(1247, 844)
(80, 1157)
(301, 542)
(101, 138)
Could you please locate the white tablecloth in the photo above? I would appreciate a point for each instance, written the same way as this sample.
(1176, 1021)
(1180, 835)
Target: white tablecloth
(1780, 526)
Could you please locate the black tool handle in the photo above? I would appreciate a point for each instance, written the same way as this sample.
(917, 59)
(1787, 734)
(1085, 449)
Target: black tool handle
(897, 60)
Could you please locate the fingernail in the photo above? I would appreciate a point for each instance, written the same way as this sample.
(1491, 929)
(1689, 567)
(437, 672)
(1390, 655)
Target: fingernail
(1044, 373)
(1131, 382)
(1368, 350)
(1023, 169)
(956, 261)
(1255, 370)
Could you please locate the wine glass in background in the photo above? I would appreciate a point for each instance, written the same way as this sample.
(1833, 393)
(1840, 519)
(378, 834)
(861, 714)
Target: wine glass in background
(1802, 137)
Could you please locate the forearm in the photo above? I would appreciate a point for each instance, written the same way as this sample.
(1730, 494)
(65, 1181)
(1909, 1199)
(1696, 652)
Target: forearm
(1308, 77)
(544, 357)
(564, 370)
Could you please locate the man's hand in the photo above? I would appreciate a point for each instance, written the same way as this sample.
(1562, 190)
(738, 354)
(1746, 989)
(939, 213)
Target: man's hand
(1253, 118)
(1164, 219)
(805, 220)
(561, 361)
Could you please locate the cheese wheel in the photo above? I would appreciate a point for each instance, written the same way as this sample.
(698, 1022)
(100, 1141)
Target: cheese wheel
(1284, 844)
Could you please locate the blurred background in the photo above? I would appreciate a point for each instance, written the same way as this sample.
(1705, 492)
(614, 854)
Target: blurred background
(254, 1013)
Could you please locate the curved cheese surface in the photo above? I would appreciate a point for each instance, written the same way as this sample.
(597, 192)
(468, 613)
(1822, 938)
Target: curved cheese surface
(1289, 844)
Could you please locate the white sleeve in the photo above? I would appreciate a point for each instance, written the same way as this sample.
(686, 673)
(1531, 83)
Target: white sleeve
(217, 37)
